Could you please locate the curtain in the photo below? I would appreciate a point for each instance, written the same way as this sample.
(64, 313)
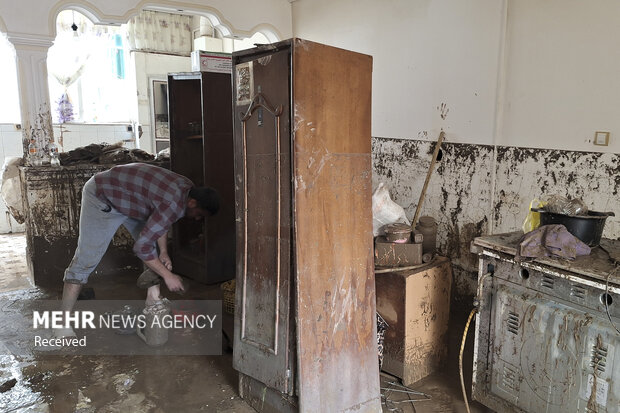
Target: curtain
(75, 54)
(70, 53)
(160, 32)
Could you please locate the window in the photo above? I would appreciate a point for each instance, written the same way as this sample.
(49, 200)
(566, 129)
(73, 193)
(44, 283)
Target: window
(118, 57)
(86, 67)
(9, 103)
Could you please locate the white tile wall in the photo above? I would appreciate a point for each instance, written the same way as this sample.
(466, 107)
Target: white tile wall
(12, 143)
(74, 136)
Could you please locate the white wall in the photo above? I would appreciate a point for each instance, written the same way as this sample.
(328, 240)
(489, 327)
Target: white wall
(562, 74)
(511, 72)
(425, 53)
(75, 135)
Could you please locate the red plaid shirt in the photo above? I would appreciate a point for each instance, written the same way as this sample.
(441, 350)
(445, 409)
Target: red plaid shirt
(147, 193)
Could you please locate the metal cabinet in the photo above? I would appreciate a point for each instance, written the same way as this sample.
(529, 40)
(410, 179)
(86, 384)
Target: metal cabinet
(201, 148)
(545, 336)
(305, 301)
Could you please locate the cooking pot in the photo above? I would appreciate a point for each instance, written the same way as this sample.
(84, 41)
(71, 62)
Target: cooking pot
(588, 228)
(397, 232)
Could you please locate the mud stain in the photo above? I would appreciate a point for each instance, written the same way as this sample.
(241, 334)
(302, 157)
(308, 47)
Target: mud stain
(460, 195)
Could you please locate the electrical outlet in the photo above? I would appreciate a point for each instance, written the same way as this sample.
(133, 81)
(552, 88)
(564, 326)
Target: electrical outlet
(601, 138)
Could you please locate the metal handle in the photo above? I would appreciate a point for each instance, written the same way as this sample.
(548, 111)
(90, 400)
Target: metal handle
(260, 101)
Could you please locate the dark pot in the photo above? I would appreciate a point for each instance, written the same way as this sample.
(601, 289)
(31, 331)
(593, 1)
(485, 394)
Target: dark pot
(588, 228)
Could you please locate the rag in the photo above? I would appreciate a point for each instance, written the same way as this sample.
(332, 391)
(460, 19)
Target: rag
(551, 241)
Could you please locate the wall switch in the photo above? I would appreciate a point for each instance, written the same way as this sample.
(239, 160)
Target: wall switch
(601, 138)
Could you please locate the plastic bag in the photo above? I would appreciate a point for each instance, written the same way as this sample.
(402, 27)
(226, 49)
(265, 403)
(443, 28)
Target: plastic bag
(11, 189)
(532, 219)
(385, 211)
(558, 204)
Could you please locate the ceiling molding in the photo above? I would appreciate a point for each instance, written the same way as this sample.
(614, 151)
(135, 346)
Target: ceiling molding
(31, 40)
(215, 16)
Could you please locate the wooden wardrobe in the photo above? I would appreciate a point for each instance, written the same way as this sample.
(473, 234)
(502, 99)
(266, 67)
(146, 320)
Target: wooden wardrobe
(305, 325)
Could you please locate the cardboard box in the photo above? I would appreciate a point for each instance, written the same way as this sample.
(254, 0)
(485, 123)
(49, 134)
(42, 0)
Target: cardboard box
(390, 254)
(211, 62)
(416, 305)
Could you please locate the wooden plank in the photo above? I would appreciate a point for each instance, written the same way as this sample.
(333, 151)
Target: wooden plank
(336, 340)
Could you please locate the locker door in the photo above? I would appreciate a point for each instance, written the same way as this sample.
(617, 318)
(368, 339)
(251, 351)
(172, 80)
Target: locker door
(263, 209)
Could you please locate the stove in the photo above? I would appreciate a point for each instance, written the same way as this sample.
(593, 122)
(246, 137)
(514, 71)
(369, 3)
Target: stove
(546, 338)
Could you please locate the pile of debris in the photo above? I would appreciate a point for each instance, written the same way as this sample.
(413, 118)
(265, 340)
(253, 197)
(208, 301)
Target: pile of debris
(104, 154)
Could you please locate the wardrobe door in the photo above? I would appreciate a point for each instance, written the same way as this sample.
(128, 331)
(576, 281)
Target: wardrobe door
(263, 209)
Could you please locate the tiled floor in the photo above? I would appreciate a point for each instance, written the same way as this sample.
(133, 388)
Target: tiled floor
(13, 267)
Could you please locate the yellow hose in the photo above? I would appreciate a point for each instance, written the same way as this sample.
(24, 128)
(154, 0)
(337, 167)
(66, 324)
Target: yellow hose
(471, 316)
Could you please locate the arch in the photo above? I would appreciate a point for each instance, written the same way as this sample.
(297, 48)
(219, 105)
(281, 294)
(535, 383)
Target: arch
(215, 16)
(85, 8)
(270, 32)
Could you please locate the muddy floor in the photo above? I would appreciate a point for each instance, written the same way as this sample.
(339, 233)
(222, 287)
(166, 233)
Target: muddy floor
(43, 383)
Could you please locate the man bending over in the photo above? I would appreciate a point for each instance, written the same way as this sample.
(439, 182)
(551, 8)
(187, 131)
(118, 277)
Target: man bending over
(146, 200)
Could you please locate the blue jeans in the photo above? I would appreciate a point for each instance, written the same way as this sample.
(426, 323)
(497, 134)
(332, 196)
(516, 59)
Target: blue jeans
(98, 224)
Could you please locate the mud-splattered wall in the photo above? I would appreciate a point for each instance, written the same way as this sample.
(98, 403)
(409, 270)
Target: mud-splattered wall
(483, 189)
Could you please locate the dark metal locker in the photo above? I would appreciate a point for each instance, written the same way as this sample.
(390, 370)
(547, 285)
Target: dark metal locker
(201, 148)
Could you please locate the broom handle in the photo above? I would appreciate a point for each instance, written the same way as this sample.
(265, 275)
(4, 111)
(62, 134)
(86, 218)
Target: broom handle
(428, 178)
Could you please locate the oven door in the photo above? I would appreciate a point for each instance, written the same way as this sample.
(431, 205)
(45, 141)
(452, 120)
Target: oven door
(545, 353)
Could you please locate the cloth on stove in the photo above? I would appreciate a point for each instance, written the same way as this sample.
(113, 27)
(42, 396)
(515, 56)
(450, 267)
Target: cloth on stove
(550, 241)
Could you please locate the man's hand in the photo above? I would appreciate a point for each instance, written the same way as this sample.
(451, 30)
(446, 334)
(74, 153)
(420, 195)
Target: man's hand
(174, 283)
(165, 259)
